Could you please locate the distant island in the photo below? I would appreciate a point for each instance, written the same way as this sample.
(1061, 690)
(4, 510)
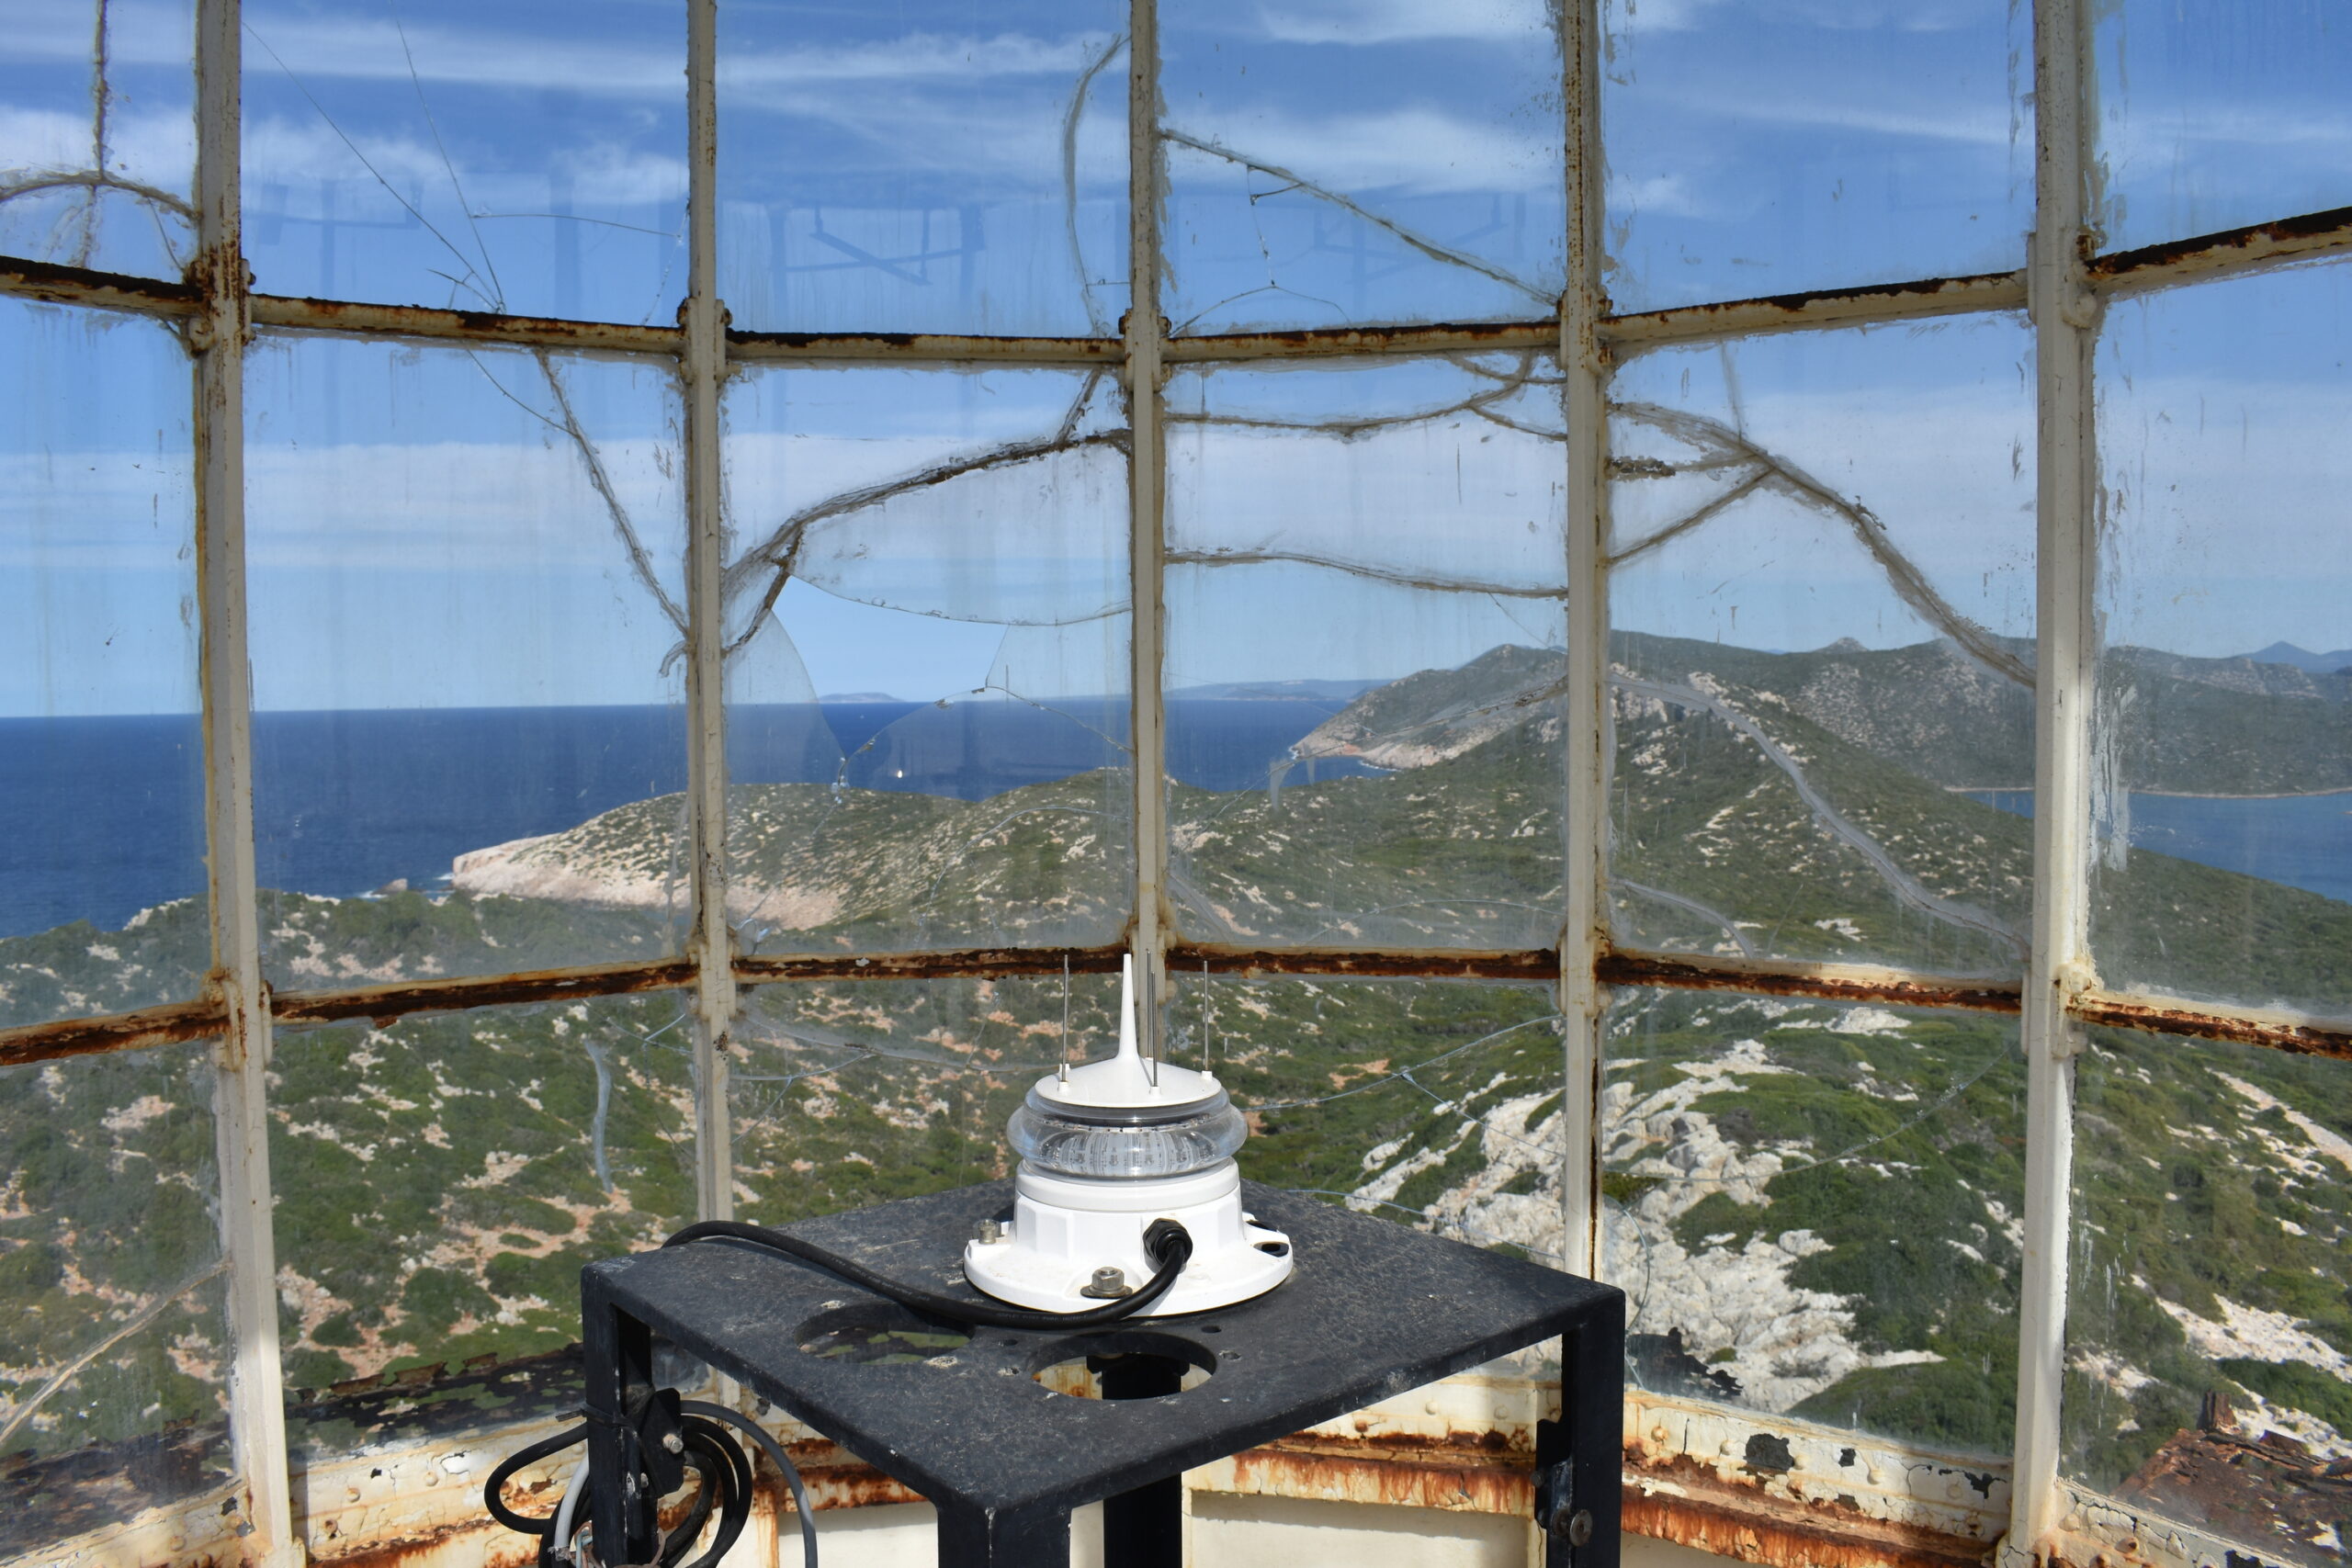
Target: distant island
(859, 697)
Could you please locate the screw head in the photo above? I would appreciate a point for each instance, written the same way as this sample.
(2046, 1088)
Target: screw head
(672, 1442)
(1580, 1527)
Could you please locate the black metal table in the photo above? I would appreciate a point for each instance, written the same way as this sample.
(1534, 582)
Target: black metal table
(1372, 1309)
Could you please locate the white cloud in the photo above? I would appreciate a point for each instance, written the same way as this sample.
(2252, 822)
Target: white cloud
(1407, 21)
(1417, 152)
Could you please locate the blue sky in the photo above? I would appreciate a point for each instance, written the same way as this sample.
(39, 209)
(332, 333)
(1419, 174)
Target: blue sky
(426, 531)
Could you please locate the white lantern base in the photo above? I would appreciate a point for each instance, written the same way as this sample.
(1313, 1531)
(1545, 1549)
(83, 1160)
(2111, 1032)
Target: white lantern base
(1065, 1228)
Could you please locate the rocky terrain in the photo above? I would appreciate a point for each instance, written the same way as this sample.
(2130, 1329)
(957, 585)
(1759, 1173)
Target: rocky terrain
(1814, 1207)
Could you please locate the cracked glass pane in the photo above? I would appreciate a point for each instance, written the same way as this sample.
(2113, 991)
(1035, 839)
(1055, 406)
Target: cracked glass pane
(923, 167)
(1822, 599)
(2223, 754)
(1366, 586)
(1813, 1209)
(528, 157)
(927, 659)
(113, 1334)
(843, 1094)
(1334, 164)
(2213, 115)
(1435, 1103)
(101, 758)
(440, 1184)
(1763, 149)
(98, 144)
(468, 612)
(2209, 1336)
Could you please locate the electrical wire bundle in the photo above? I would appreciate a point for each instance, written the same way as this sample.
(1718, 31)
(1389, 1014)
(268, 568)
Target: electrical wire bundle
(697, 1441)
(704, 1448)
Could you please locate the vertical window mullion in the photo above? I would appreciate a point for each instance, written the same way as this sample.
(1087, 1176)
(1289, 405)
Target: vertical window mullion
(1584, 369)
(218, 335)
(2066, 328)
(701, 365)
(1146, 335)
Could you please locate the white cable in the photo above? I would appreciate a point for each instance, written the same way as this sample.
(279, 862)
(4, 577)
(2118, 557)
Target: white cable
(572, 1491)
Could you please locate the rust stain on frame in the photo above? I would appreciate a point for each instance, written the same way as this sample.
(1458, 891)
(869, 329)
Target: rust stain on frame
(1618, 968)
(384, 1003)
(165, 1025)
(1532, 964)
(1682, 1500)
(2308, 1037)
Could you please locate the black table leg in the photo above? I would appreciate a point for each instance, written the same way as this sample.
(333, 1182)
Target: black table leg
(982, 1538)
(618, 1353)
(1578, 1465)
(1142, 1527)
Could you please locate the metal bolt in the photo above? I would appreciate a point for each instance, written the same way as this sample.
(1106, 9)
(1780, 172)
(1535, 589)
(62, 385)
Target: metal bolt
(1110, 1284)
(991, 1232)
(1580, 1527)
(672, 1442)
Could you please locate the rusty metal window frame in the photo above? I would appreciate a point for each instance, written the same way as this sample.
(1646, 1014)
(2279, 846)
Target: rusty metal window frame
(2063, 288)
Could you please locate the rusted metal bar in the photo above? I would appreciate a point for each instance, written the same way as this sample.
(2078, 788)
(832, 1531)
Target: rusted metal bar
(2170, 1015)
(1830, 982)
(1919, 300)
(2231, 251)
(936, 348)
(1318, 342)
(1538, 965)
(2065, 325)
(218, 335)
(974, 963)
(701, 368)
(26, 279)
(1586, 712)
(461, 326)
(1145, 334)
(385, 1003)
(166, 1025)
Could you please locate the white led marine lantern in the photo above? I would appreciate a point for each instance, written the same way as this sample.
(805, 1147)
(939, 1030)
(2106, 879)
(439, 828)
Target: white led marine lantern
(1106, 1149)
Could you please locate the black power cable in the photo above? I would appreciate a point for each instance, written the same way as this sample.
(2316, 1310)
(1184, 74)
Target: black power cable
(1165, 1242)
(724, 1483)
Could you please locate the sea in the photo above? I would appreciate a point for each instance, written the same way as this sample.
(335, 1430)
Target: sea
(106, 815)
(2304, 840)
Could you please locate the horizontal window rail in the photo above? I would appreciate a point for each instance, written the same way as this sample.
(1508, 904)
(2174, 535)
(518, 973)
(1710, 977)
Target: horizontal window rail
(2254, 247)
(194, 1020)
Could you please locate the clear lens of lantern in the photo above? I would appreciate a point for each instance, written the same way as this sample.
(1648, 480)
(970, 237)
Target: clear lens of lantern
(1126, 1147)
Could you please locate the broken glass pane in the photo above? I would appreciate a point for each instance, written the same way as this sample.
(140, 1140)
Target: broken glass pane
(1822, 594)
(528, 157)
(847, 1093)
(468, 629)
(2224, 750)
(1329, 165)
(113, 1339)
(2213, 116)
(927, 659)
(440, 1184)
(1366, 587)
(1759, 151)
(101, 761)
(98, 147)
(923, 167)
(2208, 1337)
(1813, 1209)
(1435, 1103)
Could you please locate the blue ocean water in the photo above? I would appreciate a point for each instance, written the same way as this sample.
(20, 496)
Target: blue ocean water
(2304, 840)
(107, 814)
